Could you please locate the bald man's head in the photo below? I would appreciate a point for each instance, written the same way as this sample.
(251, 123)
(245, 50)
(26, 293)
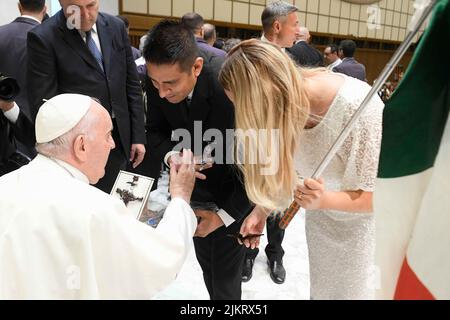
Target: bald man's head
(209, 33)
(303, 35)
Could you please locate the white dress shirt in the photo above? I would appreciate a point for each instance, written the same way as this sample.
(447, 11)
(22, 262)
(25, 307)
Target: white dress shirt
(13, 114)
(334, 64)
(264, 39)
(32, 18)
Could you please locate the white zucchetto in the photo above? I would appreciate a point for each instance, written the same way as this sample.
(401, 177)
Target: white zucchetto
(59, 115)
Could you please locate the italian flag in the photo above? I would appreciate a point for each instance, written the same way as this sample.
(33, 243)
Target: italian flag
(412, 195)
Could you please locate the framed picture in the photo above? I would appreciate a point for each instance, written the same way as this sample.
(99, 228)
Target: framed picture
(133, 190)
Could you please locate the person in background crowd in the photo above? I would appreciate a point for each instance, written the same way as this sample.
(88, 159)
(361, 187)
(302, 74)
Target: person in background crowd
(194, 23)
(331, 56)
(209, 34)
(230, 43)
(349, 65)
(219, 43)
(13, 56)
(305, 54)
(280, 26)
(136, 52)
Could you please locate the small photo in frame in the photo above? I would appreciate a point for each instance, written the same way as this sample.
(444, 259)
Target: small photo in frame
(133, 190)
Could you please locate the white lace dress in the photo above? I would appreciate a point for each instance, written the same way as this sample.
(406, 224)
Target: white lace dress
(340, 244)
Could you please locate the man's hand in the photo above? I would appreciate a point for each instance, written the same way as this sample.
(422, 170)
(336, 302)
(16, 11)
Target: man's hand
(6, 106)
(209, 222)
(182, 180)
(137, 154)
(201, 165)
(310, 195)
(176, 160)
(253, 224)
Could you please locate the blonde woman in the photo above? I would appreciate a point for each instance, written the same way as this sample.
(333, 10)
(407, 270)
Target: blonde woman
(309, 108)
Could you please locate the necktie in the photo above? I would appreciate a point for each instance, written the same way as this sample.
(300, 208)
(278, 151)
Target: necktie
(94, 50)
(187, 104)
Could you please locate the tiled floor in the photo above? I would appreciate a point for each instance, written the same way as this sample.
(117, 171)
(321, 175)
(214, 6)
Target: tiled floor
(189, 284)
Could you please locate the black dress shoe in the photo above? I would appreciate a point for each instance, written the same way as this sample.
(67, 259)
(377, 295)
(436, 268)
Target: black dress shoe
(277, 271)
(247, 270)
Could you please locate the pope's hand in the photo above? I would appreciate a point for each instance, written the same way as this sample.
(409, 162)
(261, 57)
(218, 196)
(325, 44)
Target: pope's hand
(182, 178)
(176, 160)
(209, 222)
(253, 224)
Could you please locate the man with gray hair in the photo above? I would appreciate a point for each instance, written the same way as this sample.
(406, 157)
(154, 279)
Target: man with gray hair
(280, 24)
(304, 54)
(303, 35)
(209, 34)
(64, 239)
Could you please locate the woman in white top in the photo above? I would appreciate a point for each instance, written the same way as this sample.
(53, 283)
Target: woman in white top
(309, 108)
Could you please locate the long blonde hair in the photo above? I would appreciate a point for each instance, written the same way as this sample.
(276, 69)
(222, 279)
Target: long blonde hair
(268, 92)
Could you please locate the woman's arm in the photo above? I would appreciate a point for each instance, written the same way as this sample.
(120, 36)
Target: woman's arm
(313, 196)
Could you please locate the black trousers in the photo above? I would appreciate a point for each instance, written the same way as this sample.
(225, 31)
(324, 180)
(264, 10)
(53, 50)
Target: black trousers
(117, 161)
(221, 259)
(275, 235)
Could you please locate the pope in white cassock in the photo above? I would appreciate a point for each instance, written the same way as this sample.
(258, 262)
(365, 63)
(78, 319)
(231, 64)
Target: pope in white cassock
(61, 238)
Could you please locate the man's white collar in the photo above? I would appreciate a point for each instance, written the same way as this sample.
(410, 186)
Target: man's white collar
(30, 17)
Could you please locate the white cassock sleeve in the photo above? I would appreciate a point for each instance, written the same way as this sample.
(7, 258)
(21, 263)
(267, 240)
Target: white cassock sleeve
(133, 260)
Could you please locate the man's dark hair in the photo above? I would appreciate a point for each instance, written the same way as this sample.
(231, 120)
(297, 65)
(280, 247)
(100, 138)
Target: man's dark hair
(333, 47)
(230, 43)
(32, 5)
(125, 21)
(170, 43)
(348, 47)
(219, 43)
(274, 12)
(192, 21)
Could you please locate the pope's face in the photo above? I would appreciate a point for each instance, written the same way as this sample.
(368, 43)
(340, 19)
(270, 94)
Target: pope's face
(173, 83)
(88, 10)
(99, 144)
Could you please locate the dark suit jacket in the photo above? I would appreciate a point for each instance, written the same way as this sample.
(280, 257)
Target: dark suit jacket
(13, 53)
(306, 55)
(211, 106)
(22, 130)
(352, 68)
(204, 46)
(60, 62)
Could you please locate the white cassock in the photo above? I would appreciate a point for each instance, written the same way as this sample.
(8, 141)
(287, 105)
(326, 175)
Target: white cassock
(61, 238)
